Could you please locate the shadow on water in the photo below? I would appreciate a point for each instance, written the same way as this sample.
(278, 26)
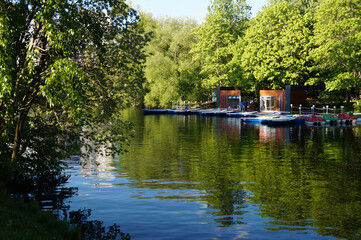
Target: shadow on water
(48, 189)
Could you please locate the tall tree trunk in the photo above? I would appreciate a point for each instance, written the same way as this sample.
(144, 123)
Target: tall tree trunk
(18, 132)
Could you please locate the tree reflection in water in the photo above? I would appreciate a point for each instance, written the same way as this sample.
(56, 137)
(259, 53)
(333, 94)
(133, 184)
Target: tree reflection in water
(301, 178)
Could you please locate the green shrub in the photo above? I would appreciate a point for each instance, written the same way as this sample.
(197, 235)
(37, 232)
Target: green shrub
(357, 106)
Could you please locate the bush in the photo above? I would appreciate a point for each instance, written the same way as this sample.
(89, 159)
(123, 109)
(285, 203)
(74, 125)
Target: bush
(357, 106)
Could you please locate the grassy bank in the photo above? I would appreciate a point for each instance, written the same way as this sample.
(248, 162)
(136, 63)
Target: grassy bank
(19, 220)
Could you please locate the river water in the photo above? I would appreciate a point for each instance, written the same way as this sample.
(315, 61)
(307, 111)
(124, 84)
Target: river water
(191, 177)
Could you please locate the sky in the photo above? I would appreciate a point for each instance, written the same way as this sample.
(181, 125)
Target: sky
(196, 9)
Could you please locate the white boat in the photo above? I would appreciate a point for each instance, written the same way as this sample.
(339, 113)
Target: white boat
(242, 114)
(206, 112)
(277, 119)
(220, 112)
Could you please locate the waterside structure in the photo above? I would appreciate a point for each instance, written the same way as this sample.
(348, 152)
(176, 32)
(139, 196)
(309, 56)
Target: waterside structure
(287, 106)
(279, 118)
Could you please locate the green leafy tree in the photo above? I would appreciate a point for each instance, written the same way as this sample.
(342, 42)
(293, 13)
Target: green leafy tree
(225, 22)
(276, 48)
(304, 6)
(170, 73)
(64, 64)
(338, 37)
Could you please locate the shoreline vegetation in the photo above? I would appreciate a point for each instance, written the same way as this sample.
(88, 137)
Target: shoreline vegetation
(21, 219)
(25, 220)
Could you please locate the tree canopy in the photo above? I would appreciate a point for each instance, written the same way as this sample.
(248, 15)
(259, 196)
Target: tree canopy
(338, 38)
(297, 42)
(276, 47)
(64, 64)
(225, 22)
(171, 75)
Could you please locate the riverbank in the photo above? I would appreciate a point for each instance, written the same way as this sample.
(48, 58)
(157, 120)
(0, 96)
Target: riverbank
(20, 220)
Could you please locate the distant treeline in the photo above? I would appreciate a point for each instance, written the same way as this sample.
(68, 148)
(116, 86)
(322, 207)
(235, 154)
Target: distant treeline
(297, 42)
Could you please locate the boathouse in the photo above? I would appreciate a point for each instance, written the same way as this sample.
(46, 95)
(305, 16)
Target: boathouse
(228, 97)
(281, 100)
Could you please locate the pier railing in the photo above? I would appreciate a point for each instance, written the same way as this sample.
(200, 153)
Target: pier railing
(191, 104)
(316, 110)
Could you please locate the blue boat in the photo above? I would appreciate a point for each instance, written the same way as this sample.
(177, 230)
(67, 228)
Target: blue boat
(209, 112)
(251, 119)
(235, 115)
(178, 111)
(270, 119)
(155, 111)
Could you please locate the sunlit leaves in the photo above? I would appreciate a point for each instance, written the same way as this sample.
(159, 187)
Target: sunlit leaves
(338, 37)
(65, 86)
(225, 22)
(171, 75)
(6, 63)
(277, 47)
(63, 64)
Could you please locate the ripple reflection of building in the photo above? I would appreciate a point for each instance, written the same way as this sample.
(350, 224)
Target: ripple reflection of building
(230, 126)
(267, 134)
(277, 135)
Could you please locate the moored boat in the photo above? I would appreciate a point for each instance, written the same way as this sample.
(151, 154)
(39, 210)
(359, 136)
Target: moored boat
(315, 121)
(178, 111)
(347, 119)
(251, 119)
(358, 118)
(331, 120)
(220, 112)
(155, 111)
(207, 112)
(242, 114)
(277, 119)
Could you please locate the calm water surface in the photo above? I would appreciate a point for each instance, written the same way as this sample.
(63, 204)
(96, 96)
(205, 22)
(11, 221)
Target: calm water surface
(191, 177)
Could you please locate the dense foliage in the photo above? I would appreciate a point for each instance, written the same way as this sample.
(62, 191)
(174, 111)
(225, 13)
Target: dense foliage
(300, 42)
(276, 48)
(225, 22)
(338, 41)
(171, 75)
(63, 65)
